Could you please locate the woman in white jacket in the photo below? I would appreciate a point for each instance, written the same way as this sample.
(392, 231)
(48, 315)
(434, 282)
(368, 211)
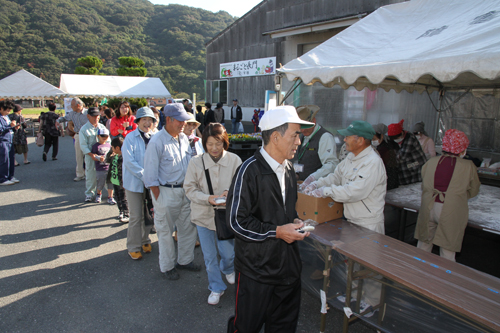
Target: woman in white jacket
(222, 166)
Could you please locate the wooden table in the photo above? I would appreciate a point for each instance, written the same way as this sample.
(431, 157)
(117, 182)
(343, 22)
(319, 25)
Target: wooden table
(484, 209)
(467, 295)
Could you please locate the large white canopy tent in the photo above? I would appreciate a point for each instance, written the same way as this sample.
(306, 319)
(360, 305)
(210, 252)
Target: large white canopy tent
(24, 85)
(414, 45)
(113, 86)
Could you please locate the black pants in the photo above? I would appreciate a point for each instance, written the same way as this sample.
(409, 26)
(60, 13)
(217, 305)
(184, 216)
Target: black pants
(121, 200)
(276, 306)
(51, 141)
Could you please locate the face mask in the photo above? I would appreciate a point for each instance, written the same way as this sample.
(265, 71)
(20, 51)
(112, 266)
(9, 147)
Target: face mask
(463, 155)
(398, 140)
(417, 136)
(375, 143)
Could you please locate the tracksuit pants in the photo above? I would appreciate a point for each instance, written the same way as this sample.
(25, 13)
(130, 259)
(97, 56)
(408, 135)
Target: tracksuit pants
(276, 306)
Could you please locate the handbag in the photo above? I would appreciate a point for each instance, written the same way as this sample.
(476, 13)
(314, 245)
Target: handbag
(39, 139)
(221, 228)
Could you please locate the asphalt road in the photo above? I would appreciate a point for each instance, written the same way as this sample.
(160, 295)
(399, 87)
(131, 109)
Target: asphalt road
(64, 266)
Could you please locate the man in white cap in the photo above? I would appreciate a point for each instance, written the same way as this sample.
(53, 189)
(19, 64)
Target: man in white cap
(261, 212)
(165, 165)
(317, 155)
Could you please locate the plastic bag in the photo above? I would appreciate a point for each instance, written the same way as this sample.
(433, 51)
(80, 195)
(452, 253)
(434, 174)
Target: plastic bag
(240, 128)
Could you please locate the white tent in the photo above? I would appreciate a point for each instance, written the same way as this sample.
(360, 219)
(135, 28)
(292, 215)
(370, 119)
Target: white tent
(450, 44)
(24, 85)
(113, 86)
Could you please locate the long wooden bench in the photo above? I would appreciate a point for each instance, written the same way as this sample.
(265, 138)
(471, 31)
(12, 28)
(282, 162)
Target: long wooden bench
(466, 295)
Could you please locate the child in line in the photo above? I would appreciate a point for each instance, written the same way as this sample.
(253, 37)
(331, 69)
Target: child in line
(115, 159)
(101, 148)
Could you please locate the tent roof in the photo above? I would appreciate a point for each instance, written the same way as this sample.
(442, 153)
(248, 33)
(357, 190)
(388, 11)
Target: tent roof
(24, 85)
(411, 45)
(113, 86)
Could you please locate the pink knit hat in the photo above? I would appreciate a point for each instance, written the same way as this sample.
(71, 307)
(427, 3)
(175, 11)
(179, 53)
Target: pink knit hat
(395, 129)
(455, 141)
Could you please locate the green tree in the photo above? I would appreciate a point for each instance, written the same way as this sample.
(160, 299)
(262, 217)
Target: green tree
(131, 66)
(89, 65)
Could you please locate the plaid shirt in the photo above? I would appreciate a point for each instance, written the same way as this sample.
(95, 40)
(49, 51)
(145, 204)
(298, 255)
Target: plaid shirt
(411, 158)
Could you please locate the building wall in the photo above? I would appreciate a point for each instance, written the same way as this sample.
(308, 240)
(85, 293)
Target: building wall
(244, 40)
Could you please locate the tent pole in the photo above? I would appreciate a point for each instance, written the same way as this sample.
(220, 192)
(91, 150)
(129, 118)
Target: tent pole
(292, 89)
(439, 111)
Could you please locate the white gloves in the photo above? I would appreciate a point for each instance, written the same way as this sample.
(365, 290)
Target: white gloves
(311, 187)
(308, 181)
(317, 193)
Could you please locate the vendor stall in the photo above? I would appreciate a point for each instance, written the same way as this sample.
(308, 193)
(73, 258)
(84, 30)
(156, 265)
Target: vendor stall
(24, 85)
(420, 46)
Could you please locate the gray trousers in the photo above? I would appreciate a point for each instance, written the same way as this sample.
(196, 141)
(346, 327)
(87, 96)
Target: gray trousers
(137, 233)
(172, 209)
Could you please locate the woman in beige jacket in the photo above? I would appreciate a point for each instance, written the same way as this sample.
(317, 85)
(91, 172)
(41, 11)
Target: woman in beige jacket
(448, 181)
(222, 165)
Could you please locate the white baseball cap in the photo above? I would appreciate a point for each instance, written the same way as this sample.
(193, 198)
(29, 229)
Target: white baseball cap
(282, 115)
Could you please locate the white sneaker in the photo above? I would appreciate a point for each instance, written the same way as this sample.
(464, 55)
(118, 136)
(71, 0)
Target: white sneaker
(125, 219)
(7, 182)
(77, 179)
(214, 298)
(15, 180)
(230, 278)
(89, 198)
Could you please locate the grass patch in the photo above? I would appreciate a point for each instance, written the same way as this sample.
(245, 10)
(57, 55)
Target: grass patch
(34, 111)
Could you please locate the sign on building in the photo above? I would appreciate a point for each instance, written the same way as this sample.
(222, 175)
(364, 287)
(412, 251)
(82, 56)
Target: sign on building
(254, 67)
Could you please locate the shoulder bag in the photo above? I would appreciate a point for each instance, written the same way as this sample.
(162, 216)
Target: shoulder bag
(221, 228)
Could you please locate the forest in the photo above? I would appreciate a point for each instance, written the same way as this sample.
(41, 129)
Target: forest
(46, 37)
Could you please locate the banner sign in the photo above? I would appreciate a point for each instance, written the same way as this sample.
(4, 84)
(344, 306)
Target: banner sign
(254, 67)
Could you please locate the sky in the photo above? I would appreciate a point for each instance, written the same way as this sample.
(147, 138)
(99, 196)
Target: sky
(235, 8)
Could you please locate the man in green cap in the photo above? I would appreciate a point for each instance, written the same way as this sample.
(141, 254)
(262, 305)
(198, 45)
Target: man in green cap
(359, 181)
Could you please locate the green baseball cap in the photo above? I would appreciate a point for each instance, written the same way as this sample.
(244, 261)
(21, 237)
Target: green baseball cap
(360, 128)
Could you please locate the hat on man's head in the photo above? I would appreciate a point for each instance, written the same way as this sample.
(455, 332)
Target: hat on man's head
(420, 128)
(455, 141)
(219, 105)
(17, 108)
(307, 112)
(360, 128)
(176, 111)
(282, 115)
(380, 128)
(395, 129)
(103, 131)
(144, 112)
(93, 111)
(235, 100)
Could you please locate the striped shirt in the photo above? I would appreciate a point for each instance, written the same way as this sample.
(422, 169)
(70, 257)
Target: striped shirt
(78, 118)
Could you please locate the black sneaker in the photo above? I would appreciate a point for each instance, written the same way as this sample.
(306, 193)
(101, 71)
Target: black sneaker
(172, 274)
(44, 156)
(189, 267)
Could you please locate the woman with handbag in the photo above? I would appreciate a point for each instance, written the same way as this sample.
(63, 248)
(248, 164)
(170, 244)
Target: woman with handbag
(207, 181)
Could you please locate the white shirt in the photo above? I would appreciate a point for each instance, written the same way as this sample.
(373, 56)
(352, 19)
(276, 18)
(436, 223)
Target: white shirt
(279, 170)
(360, 183)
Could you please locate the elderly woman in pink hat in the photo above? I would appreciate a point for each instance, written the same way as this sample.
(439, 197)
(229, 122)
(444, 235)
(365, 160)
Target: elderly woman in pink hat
(448, 181)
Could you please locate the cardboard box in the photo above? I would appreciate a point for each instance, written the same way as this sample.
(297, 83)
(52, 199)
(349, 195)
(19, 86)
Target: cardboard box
(320, 210)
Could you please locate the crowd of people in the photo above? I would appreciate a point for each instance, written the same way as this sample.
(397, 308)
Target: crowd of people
(172, 170)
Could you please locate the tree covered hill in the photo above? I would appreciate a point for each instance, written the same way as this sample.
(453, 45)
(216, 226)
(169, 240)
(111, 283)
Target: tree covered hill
(46, 37)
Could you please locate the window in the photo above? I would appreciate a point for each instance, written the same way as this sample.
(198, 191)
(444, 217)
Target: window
(219, 92)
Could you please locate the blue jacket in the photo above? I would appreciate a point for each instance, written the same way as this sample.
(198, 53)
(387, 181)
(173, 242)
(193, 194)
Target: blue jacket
(133, 150)
(5, 130)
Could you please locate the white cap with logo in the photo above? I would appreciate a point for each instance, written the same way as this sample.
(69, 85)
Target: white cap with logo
(282, 115)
